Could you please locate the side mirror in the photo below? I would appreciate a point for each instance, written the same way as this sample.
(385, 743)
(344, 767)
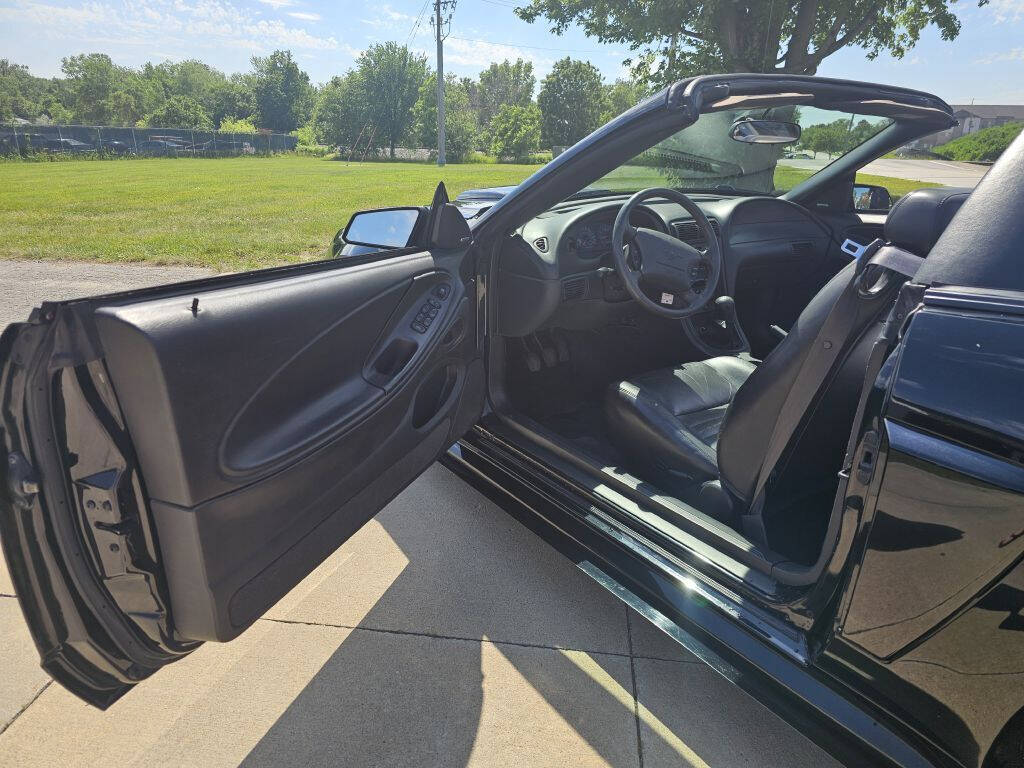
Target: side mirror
(871, 198)
(750, 131)
(383, 228)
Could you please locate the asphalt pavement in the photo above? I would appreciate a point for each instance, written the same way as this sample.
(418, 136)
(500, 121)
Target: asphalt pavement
(945, 172)
(442, 634)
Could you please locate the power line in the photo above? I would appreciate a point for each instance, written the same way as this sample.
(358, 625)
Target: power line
(416, 24)
(535, 47)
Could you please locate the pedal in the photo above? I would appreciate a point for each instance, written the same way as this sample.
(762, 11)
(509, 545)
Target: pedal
(531, 358)
(548, 354)
(561, 346)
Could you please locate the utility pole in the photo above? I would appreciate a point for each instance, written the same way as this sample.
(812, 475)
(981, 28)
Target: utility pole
(442, 27)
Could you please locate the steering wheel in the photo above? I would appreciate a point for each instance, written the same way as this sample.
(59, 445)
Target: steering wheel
(659, 262)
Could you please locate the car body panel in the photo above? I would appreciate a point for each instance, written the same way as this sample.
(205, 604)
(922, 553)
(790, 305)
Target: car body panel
(195, 450)
(932, 621)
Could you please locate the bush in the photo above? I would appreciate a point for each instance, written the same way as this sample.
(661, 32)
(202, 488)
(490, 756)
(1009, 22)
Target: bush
(985, 145)
(312, 150)
(515, 131)
(480, 158)
(231, 125)
(179, 112)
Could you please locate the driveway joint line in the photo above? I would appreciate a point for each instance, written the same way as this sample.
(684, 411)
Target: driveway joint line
(436, 636)
(636, 700)
(21, 711)
(4, 594)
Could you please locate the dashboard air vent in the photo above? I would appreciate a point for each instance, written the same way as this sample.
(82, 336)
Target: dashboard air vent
(690, 232)
(574, 288)
(541, 244)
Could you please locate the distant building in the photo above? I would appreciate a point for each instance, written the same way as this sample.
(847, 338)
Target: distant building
(970, 119)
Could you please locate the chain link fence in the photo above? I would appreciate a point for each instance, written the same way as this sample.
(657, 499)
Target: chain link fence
(85, 140)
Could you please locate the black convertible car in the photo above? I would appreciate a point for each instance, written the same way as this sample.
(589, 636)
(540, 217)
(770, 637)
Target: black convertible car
(785, 427)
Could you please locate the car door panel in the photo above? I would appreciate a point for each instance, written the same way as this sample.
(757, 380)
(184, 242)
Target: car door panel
(219, 440)
(940, 470)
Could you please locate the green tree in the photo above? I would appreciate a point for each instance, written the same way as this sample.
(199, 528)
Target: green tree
(211, 88)
(97, 91)
(515, 131)
(618, 97)
(180, 112)
(680, 38)
(90, 81)
(390, 76)
(461, 129)
(505, 83)
(281, 94)
(22, 94)
(342, 112)
(830, 138)
(570, 102)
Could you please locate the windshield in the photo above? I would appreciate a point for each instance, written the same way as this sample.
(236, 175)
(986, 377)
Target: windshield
(705, 157)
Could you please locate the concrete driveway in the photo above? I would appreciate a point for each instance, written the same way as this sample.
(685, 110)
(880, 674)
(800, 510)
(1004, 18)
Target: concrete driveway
(442, 634)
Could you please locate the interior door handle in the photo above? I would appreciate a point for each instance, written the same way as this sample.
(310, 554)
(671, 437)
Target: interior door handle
(391, 360)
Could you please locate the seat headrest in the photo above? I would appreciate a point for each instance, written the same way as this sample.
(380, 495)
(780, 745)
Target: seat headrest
(918, 219)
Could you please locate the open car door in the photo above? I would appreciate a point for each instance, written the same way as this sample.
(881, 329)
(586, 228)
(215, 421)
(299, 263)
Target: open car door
(178, 458)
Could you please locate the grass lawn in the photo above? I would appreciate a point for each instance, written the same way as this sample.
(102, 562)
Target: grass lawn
(787, 177)
(229, 214)
(233, 213)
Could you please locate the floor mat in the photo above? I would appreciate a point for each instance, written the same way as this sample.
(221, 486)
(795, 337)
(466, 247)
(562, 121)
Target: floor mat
(585, 430)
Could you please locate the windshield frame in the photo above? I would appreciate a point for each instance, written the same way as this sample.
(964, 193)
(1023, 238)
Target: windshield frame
(915, 114)
(710, 161)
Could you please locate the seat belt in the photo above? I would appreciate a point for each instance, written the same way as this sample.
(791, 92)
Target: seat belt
(827, 347)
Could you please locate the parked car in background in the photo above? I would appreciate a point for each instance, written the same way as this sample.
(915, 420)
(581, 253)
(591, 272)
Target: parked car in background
(160, 147)
(68, 145)
(116, 146)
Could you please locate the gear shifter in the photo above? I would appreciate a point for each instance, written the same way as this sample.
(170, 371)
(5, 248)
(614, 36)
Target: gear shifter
(725, 308)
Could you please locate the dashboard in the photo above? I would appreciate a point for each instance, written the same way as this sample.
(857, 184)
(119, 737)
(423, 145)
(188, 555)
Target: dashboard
(590, 238)
(557, 269)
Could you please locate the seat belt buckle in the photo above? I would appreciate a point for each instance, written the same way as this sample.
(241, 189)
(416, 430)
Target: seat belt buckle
(853, 248)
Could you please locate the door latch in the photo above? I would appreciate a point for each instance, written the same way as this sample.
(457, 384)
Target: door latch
(868, 457)
(22, 480)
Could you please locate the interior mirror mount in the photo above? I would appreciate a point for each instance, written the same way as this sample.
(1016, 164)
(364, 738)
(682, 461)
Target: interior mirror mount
(750, 131)
(383, 227)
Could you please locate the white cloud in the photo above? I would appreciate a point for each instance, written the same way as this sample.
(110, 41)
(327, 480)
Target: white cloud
(388, 19)
(278, 4)
(210, 23)
(474, 53)
(1014, 54)
(305, 16)
(1007, 10)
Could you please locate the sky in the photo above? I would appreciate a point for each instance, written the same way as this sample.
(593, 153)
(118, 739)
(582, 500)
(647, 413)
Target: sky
(984, 65)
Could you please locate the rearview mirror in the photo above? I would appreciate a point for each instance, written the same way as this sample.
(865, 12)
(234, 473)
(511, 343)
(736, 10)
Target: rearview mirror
(871, 197)
(764, 132)
(382, 228)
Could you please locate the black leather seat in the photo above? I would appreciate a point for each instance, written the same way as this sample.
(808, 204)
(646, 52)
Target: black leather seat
(705, 426)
